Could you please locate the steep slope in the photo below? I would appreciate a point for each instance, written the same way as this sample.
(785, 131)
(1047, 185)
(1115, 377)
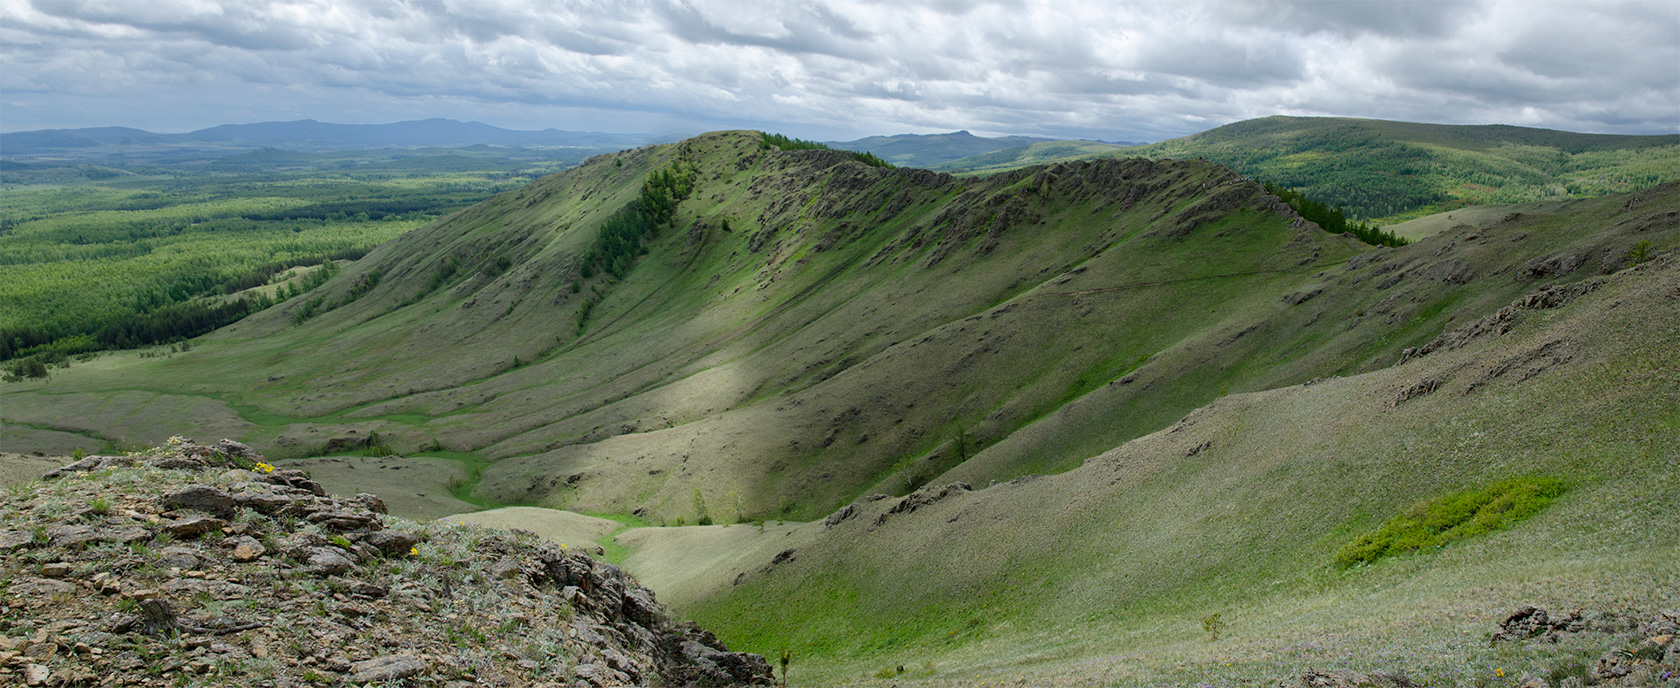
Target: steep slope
(1109, 571)
(809, 329)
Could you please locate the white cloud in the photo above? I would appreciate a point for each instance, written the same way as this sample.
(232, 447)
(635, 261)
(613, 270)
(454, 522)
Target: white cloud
(1139, 71)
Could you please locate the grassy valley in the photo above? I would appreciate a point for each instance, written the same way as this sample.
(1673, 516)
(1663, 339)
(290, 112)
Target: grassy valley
(1034, 427)
(130, 254)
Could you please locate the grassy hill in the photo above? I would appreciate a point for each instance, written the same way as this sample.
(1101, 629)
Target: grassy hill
(1395, 171)
(1039, 153)
(1187, 396)
(1107, 572)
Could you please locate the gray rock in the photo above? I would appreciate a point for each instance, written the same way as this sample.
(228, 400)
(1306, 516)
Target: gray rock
(73, 536)
(842, 514)
(392, 542)
(389, 668)
(200, 497)
(262, 501)
(127, 535)
(342, 520)
(24, 587)
(372, 503)
(327, 561)
(246, 548)
(13, 539)
(194, 526)
(599, 676)
(184, 558)
(238, 450)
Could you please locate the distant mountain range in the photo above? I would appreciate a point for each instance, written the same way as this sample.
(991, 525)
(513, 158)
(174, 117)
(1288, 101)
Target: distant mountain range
(305, 134)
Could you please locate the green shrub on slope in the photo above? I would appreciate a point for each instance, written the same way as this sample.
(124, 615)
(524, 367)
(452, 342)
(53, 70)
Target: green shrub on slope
(1453, 517)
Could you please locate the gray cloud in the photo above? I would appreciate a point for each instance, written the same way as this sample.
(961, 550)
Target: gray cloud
(1136, 71)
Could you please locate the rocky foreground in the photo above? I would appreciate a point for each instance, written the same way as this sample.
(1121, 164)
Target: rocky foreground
(201, 565)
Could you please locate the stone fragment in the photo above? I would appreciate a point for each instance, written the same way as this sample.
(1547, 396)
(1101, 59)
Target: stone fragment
(193, 526)
(130, 534)
(388, 668)
(372, 503)
(57, 569)
(392, 542)
(13, 539)
(341, 520)
(73, 536)
(200, 497)
(327, 561)
(238, 450)
(261, 501)
(246, 548)
(177, 557)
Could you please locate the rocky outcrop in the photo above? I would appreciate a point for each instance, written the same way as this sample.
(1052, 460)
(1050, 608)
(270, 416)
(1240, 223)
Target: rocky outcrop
(1647, 654)
(1501, 321)
(199, 564)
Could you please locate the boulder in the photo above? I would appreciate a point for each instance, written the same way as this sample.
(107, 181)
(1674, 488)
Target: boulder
(388, 668)
(193, 526)
(201, 498)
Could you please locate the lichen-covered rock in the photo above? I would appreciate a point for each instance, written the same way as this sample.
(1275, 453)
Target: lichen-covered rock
(308, 588)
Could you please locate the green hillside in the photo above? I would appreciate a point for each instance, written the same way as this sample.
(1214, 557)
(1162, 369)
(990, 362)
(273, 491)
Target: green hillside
(1106, 573)
(1174, 396)
(154, 252)
(1400, 170)
(1040, 153)
(1381, 169)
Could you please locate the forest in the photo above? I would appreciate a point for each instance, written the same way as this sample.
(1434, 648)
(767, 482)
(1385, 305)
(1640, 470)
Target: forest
(96, 257)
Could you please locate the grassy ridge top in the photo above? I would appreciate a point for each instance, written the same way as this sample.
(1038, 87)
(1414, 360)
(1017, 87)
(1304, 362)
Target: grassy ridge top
(1400, 170)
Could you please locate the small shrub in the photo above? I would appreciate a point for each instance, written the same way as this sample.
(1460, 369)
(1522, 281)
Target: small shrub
(377, 446)
(702, 516)
(1453, 517)
(1640, 253)
(1214, 626)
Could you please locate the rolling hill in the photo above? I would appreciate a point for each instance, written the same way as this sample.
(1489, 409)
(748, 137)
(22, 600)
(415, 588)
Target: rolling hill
(1163, 393)
(1401, 170)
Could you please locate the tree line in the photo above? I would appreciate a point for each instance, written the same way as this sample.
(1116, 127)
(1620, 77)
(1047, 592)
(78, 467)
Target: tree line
(1332, 218)
(787, 143)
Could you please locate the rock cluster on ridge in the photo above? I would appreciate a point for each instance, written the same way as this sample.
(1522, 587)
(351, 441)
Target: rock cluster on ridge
(200, 565)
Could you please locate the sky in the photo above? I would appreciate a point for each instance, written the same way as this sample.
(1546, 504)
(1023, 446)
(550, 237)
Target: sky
(1106, 70)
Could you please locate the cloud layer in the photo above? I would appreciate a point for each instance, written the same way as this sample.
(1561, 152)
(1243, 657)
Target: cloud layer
(1089, 69)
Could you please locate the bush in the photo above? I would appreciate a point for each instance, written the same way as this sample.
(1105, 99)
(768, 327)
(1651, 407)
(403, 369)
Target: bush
(1453, 517)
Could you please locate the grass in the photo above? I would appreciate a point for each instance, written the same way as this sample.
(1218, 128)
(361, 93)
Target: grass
(1396, 171)
(1454, 517)
(827, 347)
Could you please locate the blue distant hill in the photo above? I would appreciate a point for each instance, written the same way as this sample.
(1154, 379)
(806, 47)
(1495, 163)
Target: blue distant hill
(306, 134)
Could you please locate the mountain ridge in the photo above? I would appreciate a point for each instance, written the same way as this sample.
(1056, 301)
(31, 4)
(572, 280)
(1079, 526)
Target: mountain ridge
(309, 134)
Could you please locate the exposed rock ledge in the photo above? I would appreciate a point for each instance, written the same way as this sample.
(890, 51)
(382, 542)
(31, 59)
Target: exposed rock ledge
(201, 565)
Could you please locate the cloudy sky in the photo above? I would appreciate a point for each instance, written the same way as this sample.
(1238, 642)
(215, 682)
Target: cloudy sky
(1139, 71)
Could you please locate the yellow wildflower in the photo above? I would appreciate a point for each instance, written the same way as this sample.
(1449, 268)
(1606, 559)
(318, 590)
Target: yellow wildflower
(264, 468)
(414, 551)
